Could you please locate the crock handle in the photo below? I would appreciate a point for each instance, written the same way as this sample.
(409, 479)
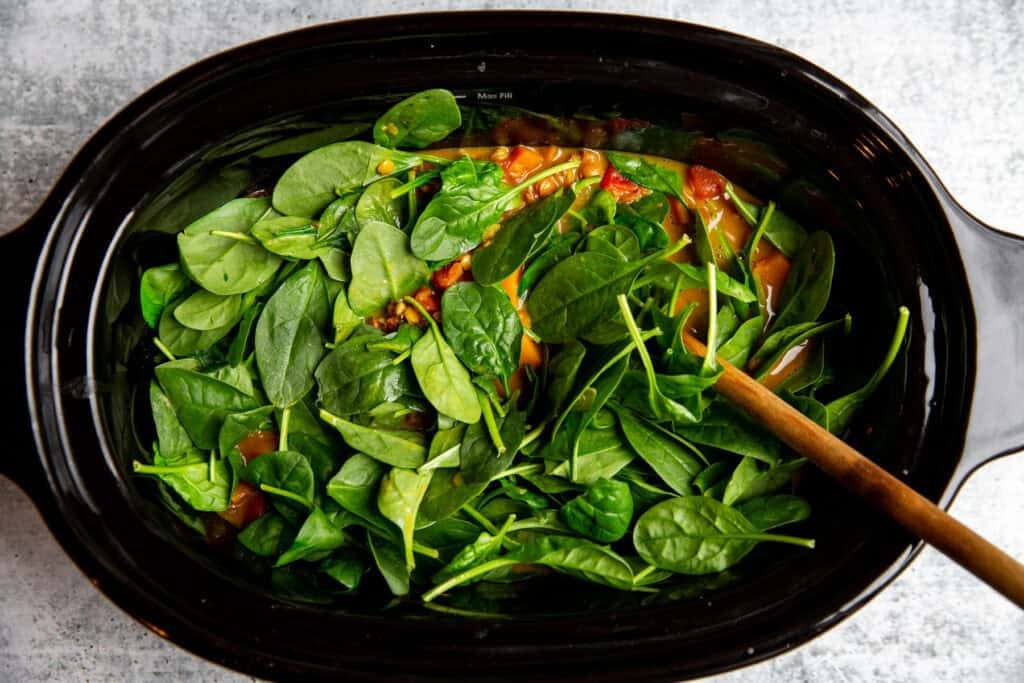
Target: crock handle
(20, 251)
(994, 262)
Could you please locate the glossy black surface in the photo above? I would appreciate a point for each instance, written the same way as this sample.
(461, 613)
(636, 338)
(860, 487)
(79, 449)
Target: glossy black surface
(902, 240)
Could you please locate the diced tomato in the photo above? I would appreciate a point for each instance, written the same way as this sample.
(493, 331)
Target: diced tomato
(446, 276)
(704, 182)
(623, 189)
(428, 299)
(247, 505)
(257, 444)
(521, 163)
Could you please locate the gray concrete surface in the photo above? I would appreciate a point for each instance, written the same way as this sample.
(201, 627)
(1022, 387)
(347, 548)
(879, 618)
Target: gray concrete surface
(951, 74)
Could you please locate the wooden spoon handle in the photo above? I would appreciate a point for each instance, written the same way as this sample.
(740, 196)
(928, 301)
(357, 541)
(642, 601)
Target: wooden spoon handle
(869, 481)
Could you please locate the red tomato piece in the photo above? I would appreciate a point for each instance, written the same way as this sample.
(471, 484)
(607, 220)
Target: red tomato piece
(247, 505)
(704, 182)
(256, 444)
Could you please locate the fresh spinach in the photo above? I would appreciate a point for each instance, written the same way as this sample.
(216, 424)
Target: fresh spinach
(158, 287)
(603, 513)
(395, 447)
(520, 237)
(698, 535)
(383, 268)
(483, 329)
(419, 120)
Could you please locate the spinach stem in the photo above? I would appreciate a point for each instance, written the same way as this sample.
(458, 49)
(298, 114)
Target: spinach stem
(519, 469)
(237, 236)
(547, 172)
(531, 334)
(643, 573)
(491, 424)
(532, 435)
(142, 468)
(480, 519)
(584, 183)
(212, 473)
(400, 358)
(776, 538)
(710, 363)
(163, 349)
(286, 494)
(282, 439)
(425, 550)
(894, 349)
(645, 358)
(415, 181)
(467, 575)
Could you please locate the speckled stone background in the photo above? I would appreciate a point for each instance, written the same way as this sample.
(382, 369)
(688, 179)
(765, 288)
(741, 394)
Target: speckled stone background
(950, 74)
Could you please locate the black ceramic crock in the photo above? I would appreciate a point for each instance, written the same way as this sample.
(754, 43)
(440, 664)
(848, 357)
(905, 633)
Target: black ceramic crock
(950, 407)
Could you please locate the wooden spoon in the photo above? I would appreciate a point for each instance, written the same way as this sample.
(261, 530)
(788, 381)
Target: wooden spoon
(840, 461)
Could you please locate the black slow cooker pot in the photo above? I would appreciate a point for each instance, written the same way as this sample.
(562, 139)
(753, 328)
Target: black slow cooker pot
(828, 155)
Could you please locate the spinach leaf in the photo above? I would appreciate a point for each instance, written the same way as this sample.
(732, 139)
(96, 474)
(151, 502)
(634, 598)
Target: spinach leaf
(600, 454)
(483, 328)
(239, 348)
(289, 336)
(841, 410)
(322, 532)
(291, 237)
(355, 488)
(484, 549)
(184, 341)
(353, 379)
(520, 237)
(376, 205)
(751, 479)
(616, 241)
(174, 443)
(724, 427)
(645, 217)
(346, 568)
(201, 402)
(399, 498)
(559, 248)
(336, 264)
(808, 284)
(670, 460)
(738, 348)
(390, 563)
(702, 240)
(383, 268)
(444, 380)
(158, 287)
(781, 230)
(228, 265)
(285, 474)
(204, 486)
(444, 448)
(648, 174)
(603, 513)
(204, 311)
(479, 463)
(472, 198)
(710, 476)
(783, 340)
(338, 220)
(395, 447)
(689, 276)
(775, 511)
(418, 120)
(698, 535)
(580, 292)
(316, 179)
(343, 318)
(268, 536)
(562, 370)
